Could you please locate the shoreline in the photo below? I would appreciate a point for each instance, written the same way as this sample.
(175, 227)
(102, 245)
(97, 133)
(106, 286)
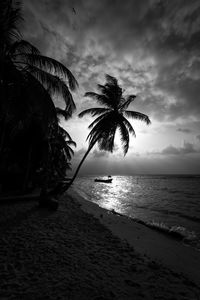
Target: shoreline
(157, 245)
(82, 251)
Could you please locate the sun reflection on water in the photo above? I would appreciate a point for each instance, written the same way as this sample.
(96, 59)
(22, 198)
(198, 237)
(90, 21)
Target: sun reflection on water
(113, 195)
(164, 199)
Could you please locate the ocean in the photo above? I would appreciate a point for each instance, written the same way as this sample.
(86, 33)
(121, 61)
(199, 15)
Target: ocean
(168, 203)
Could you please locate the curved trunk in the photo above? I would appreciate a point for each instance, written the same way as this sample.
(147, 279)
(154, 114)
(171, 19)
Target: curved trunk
(65, 188)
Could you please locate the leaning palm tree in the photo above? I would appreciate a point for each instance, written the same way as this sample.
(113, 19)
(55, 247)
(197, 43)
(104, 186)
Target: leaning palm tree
(110, 118)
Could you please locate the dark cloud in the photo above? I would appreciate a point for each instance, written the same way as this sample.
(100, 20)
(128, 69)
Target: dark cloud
(198, 137)
(187, 148)
(151, 46)
(170, 150)
(96, 153)
(184, 130)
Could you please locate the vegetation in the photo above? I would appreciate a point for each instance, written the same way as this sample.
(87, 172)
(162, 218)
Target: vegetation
(34, 148)
(28, 117)
(111, 116)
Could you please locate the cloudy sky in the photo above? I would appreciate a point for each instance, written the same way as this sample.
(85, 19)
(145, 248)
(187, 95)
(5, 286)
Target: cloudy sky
(153, 48)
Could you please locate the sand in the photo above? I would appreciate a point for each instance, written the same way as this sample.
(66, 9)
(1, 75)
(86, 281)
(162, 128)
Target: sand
(84, 252)
(164, 249)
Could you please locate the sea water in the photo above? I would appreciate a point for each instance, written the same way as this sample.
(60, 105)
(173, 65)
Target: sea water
(167, 202)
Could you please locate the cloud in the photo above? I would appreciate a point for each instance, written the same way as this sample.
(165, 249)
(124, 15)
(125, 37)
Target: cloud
(187, 148)
(151, 46)
(97, 153)
(170, 150)
(79, 154)
(184, 130)
(198, 137)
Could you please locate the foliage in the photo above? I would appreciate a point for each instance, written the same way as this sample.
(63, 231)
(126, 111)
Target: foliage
(110, 117)
(28, 83)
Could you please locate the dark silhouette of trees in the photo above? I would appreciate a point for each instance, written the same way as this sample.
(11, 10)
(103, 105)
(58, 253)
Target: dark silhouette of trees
(28, 83)
(61, 153)
(110, 117)
(32, 141)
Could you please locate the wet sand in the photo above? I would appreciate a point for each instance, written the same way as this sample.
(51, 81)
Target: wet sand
(73, 254)
(163, 248)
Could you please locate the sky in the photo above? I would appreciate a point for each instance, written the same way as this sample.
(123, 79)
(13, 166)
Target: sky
(153, 49)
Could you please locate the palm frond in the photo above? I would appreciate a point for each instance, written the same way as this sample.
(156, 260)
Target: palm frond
(100, 128)
(69, 152)
(124, 137)
(50, 65)
(111, 80)
(10, 18)
(128, 125)
(128, 101)
(71, 143)
(105, 90)
(106, 141)
(64, 113)
(101, 99)
(112, 91)
(64, 133)
(138, 116)
(97, 120)
(22, 46)
(54, 85)
(93, 111)
(40, 99)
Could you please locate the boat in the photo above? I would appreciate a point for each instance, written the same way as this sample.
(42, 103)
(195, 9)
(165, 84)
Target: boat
(103, 180)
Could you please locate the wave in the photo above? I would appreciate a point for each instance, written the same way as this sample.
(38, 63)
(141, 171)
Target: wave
(167, 211)
(177, 232)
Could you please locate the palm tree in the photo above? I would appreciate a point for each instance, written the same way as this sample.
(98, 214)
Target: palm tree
(22, 66)
(17, 54)
(110, 118)
(28, 83)
(61, 152)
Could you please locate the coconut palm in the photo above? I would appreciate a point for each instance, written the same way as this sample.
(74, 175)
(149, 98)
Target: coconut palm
(28, 83)
(22, 66)
(61, 152)
(110, 117)
(17, 54)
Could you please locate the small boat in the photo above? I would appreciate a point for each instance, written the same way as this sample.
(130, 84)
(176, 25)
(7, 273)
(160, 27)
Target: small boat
(104, 180)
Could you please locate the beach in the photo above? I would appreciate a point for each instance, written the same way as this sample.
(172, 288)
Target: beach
(82, 251)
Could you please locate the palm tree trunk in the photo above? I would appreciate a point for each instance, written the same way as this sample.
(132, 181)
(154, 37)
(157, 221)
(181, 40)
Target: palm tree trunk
(65, 188)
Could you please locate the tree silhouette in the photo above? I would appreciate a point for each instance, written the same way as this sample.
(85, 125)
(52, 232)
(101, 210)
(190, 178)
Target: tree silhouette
(61, 153)
(28, 83)
(110, 118)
